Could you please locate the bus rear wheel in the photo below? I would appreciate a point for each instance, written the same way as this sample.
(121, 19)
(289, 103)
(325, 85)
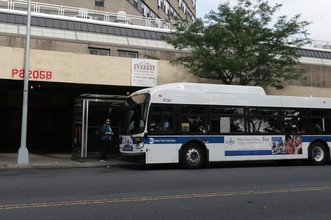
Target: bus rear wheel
(193, 156)
(317, 154)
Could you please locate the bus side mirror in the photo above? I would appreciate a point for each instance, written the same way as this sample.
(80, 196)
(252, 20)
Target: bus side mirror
(145, 135)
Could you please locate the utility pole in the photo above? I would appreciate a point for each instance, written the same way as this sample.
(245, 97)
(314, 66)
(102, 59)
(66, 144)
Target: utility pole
(23, 154)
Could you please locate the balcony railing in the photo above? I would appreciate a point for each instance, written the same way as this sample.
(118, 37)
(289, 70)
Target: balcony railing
(315, 43)
(84, 13)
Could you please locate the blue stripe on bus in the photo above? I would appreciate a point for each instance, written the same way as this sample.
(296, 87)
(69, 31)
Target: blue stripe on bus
(181, 140)
(260, 152)
(218, 140)
(236, 153)
(311, 138)
(247, 152)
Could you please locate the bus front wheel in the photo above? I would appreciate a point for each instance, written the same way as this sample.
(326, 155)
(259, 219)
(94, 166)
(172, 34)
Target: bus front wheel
(318, 154)
(193, 156)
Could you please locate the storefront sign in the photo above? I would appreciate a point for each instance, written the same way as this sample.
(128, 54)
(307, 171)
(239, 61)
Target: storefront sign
(144, 72)
(33, 74)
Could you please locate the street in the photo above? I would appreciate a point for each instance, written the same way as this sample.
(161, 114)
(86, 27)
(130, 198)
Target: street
(223, 191)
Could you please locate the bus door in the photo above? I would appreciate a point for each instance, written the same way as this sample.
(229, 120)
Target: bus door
(162, 146)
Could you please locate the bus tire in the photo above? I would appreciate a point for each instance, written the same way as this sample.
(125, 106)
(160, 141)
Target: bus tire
(317, 154)
(192, 156)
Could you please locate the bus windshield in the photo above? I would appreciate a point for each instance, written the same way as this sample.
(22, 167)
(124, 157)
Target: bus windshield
(136, 114)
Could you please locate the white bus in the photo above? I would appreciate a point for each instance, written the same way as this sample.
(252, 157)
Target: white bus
(194, 124)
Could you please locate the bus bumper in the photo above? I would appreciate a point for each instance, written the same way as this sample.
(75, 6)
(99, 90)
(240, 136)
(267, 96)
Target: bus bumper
(136, 157)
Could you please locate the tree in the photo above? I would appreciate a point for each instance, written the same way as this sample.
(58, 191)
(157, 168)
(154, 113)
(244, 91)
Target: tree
(240, 45)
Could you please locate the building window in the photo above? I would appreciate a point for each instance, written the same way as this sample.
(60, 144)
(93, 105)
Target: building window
(99, 51)
(128, 54)
(100, 3)
(134, 3)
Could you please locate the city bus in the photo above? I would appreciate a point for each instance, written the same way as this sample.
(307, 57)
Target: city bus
(194, 124)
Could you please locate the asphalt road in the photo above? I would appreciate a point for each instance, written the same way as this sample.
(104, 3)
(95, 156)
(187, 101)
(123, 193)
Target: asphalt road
(230, 191)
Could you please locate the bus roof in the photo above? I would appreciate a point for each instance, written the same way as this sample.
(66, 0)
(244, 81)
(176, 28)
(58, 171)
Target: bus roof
(214, 88)
(229, 95)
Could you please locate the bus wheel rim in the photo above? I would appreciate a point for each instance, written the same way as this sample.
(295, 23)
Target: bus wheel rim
(193, 156)
(318, 153)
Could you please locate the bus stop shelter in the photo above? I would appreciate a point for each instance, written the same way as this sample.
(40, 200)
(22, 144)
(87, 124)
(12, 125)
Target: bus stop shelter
(90, 112)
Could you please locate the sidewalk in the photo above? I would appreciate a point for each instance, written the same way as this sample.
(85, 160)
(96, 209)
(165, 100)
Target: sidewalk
(8, 161)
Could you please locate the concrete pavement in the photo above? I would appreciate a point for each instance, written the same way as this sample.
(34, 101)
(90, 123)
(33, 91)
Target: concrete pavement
(8, 161)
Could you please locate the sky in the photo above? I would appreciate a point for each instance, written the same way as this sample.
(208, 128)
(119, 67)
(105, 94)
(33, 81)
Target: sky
(316, 11)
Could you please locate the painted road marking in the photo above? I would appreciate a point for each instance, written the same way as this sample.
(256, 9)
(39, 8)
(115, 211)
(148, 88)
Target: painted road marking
(154, 198)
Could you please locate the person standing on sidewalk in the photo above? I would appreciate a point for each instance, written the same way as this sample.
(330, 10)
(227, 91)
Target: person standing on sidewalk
(106, 132)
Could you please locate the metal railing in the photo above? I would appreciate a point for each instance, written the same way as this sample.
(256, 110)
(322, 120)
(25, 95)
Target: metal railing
(84, 13)
(321, 44)
(314, 43)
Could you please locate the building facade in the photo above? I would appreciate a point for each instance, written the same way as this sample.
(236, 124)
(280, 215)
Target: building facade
(162, 9)
(88, 48)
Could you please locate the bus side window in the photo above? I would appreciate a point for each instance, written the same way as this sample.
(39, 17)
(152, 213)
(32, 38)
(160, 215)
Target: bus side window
(227, 119)
(320, 122)
(317, 127)
(167, 120)
(155, 118)
(302, 125)
(326, 126)
(194, 119)
(296, 121)
(320, 126)
(225, 125)
(195, 124)
(161, 119)
(264, 120)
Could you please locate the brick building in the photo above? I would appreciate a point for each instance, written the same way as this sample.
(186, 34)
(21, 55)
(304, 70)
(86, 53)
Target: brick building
(90, 47)
(162, 9)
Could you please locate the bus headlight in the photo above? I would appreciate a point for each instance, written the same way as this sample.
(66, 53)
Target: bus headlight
(140, 145)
